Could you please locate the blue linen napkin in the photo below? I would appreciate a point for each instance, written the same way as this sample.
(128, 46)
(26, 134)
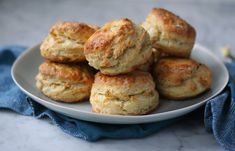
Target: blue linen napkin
(219, 117)
(219, 114)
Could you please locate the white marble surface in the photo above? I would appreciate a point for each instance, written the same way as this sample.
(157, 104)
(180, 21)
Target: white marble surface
(26, 22)
(24, 133)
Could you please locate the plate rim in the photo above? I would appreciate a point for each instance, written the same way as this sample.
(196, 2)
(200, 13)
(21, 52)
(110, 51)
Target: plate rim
(118, 117)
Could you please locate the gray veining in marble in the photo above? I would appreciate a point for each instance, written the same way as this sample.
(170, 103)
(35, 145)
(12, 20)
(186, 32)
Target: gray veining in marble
(26, 22)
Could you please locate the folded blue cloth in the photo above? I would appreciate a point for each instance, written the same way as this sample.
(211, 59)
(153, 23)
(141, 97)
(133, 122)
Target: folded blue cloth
(219, 114)
(219, 117)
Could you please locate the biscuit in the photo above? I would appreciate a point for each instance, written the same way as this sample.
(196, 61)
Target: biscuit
(181, 78)
(170, 33)
(118, 47)
(127, 94)
(63, 82)
(65, 42)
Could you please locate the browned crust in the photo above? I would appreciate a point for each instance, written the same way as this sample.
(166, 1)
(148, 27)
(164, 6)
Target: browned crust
(78, 73)
(173, 23)
(73, 30)
(169, 33)
(104, 37)
(175, 69)
(174, 72)
(124, 79)
(65, 41)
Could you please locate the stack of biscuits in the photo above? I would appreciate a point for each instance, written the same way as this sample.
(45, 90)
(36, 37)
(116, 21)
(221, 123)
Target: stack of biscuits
(112, 66)
(176, 75)
(65, 75)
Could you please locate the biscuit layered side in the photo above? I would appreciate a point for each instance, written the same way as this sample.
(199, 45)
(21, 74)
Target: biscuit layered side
(179, 79)
(169, 33)
(128, 94)
(118, 47)
(65, 42)
(66, 83)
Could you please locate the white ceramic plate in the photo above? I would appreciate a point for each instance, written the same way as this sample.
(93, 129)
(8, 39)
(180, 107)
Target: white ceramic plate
(26, 67)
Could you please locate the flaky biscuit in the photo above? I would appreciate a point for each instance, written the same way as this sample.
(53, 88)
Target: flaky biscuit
(65, 41)
(63, 82)
(127, 94)
(120, 46)
(181, 78)
(169, 33)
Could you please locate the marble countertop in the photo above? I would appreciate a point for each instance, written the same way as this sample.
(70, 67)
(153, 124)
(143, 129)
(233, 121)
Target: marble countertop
(26, 22)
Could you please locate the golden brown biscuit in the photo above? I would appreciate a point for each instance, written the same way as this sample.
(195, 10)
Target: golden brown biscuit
(63, 82)
(127, 94)
(65, 42)
(170, 33)
(120, 46)
(181, 78)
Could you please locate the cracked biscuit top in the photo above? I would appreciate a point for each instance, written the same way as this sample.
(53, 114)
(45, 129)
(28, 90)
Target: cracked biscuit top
(65, 41)
(120, 46)
(126, 84)
(169, 33)
(178, 78)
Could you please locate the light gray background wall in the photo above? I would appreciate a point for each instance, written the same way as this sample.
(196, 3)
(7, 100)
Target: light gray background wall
(26, 22)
